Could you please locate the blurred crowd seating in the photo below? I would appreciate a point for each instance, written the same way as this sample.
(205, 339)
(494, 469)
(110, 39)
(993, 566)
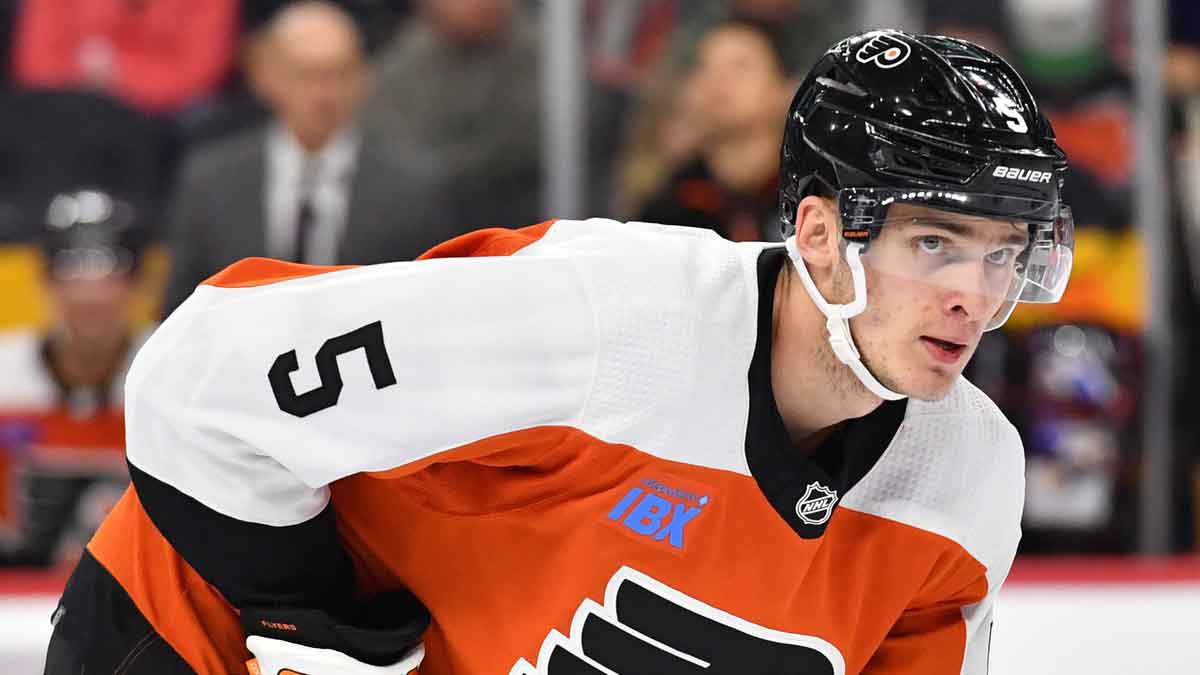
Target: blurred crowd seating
(360, 131)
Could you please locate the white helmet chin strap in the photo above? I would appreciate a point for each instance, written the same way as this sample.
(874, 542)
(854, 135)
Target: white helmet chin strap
(837, 317)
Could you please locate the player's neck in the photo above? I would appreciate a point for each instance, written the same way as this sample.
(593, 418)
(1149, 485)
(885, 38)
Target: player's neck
(814, 392)
(744, 161)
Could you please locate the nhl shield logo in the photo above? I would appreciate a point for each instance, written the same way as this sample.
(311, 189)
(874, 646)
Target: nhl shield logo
(887, 51)
(816, 505)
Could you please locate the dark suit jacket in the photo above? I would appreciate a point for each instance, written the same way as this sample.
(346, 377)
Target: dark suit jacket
(218, 213)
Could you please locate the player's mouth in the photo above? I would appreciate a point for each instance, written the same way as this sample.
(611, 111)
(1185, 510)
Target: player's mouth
(944, 351)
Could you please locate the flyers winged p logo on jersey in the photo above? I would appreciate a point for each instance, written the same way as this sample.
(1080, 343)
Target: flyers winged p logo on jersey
(646, 626)
(886, 50)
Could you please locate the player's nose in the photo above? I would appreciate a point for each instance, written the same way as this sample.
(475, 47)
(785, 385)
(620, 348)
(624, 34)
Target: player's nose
(969, 293)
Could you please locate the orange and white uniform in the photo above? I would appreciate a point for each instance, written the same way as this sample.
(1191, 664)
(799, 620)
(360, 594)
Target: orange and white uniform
(62, 452)
(563, 440)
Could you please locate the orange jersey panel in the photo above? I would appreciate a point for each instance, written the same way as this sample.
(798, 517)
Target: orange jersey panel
(190, 615)
(500, 564)
(506, 549)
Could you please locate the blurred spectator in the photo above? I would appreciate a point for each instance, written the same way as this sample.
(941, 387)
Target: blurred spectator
(1183, 81)
(629, 37)
(625, 41)
(1081, 422)
(1183, 53)
(239, 108)
(976, 21)
(61, 424)
(8, 12)
(52, 138)
(158, 55)
(665, 132)
(376, 19)
(1062, 50)
(461, 82)
(309, 186)
(741, 90)
(1080, 403)
(810, 26)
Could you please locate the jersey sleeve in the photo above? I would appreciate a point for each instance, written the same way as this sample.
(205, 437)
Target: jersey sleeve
(274, 380)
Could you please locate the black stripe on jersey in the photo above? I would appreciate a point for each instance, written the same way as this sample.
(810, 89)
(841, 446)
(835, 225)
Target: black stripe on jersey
(781, 472)
(97, 628)
(293, 582)
(624, 652)
(726, 648)
(251, 564)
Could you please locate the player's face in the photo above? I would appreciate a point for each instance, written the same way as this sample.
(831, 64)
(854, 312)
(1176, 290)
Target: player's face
(94, 310)
(934, 281)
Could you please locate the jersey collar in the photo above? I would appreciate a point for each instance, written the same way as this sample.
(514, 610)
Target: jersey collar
(805, 490)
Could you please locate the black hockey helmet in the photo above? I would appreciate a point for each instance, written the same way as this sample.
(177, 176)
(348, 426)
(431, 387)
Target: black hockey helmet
(887, 118)
(89, 233)
(891, 109)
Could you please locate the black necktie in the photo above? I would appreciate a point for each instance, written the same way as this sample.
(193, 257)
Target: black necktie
(306, 217)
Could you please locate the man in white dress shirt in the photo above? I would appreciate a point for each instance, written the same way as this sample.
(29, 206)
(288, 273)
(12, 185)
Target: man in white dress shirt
(311, 186)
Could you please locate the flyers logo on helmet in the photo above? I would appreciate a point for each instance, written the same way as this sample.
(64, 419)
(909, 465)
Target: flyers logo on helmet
(645, 626)
(887, 51)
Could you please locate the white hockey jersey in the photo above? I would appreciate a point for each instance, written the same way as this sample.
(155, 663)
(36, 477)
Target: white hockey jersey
(563, 440)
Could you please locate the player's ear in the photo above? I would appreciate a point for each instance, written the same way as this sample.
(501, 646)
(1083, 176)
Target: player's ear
(817, 233)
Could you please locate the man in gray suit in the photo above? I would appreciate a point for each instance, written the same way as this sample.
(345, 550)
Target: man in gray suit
(312, 186)
(477, 64)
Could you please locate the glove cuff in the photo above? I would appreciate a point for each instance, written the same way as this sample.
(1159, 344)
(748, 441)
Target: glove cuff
(379, 631)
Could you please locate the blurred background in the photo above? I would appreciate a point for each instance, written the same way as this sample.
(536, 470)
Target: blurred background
(146, 144)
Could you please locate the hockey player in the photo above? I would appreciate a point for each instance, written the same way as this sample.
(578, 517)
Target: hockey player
(62, 437)
(595, 447)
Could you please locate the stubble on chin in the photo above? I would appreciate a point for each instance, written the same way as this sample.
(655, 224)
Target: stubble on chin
(906, 373)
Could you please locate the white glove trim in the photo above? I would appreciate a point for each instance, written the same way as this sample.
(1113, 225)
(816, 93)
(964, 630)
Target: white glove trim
(278, 657)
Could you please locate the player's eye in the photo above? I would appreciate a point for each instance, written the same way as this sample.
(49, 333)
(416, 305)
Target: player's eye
(931, 244)
(1001, 256)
